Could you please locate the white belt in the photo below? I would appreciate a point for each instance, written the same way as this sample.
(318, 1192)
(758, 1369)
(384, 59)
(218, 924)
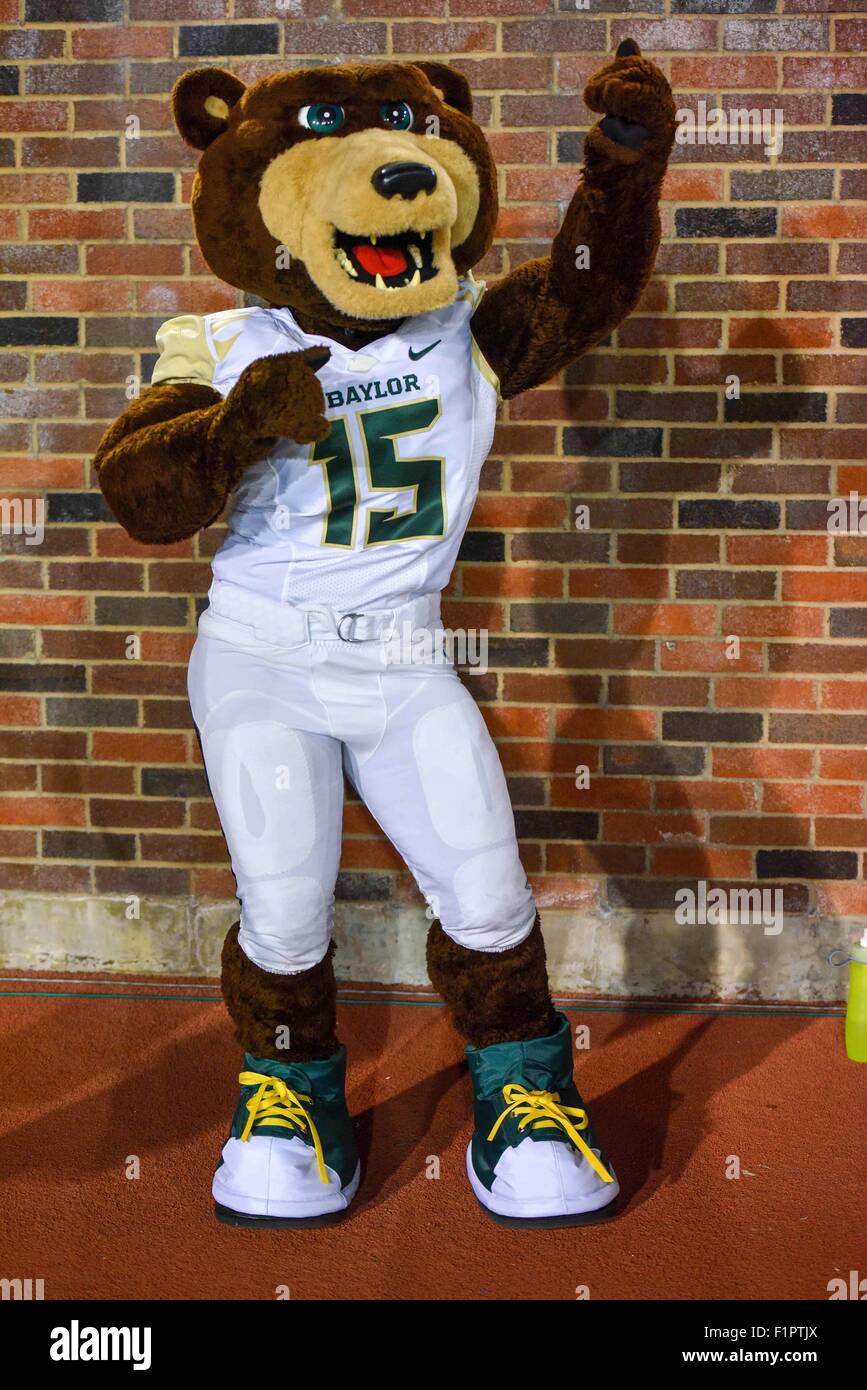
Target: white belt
(281, 622)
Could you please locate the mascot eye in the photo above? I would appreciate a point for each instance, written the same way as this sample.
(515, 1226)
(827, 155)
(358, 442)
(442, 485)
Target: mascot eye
(396, 114)
(323, 117)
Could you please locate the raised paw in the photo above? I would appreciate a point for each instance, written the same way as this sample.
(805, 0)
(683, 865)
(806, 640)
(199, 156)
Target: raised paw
(635, 101)
(280, 397)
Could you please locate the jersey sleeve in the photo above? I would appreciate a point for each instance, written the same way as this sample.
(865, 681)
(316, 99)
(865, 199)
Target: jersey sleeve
(185, 352)
(473, 291)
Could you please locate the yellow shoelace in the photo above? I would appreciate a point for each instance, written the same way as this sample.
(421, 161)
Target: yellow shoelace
(542, 1110)
(275, 1104)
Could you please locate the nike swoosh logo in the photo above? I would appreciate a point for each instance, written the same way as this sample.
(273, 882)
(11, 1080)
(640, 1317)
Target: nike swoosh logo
(414, 356)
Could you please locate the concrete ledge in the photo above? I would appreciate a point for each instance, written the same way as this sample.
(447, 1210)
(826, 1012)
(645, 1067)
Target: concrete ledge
(624, 954)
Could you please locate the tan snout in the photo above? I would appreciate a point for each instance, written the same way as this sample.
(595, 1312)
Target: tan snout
(327, 183)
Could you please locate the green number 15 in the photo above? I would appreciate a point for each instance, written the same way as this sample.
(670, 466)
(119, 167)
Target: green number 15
(386, 472)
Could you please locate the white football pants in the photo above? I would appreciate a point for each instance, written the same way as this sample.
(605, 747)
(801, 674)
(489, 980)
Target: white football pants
(284, 704)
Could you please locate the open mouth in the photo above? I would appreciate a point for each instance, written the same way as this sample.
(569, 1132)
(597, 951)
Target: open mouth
(388, 262)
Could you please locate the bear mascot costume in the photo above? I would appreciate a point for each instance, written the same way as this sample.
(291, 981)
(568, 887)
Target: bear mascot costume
(345, 417)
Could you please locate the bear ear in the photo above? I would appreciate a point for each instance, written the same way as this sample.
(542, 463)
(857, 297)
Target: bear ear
(452, 86)
(201, 102)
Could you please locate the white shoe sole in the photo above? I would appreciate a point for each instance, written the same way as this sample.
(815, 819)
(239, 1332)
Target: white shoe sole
(255, 1211)
(542, 1211)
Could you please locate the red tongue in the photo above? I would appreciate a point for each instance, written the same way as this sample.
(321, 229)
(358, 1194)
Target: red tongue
(380, 260)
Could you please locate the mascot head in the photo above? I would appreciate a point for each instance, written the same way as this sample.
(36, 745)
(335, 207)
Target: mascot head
(353, 194)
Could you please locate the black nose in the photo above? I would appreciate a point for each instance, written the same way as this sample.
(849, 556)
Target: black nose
(404, 179)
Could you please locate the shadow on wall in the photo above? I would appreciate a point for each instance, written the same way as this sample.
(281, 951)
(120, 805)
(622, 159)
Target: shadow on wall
(746, 497)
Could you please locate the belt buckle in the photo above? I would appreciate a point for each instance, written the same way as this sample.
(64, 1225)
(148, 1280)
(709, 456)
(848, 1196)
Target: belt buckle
(349, 617)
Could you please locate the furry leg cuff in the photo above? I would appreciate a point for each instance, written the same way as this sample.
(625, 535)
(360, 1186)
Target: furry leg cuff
(494, 996)
(260, 1002)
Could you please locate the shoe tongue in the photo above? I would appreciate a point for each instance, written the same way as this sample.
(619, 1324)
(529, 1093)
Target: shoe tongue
(322, 1079)
(540, 1064)
(537, 1076)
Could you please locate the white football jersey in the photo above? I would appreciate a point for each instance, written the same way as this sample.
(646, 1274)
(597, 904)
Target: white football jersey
(374, 514)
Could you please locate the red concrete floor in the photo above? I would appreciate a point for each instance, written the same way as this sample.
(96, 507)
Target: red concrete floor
(96, 1072)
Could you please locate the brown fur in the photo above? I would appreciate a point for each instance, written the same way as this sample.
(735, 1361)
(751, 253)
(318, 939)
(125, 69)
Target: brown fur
(494, 996)
(317, 186)
(152, 467)
(262, 124)
(547, 312)
(260, 1002)
(166, 467)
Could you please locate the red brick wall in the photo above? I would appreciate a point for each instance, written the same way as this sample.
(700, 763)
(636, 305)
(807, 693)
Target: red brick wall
(708, 517)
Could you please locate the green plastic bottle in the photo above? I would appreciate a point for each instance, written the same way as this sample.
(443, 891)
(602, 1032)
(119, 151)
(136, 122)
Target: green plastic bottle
(856, 1008)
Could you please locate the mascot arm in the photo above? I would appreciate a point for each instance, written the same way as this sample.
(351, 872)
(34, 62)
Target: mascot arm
(167, 465)
(549, 311)
(153, 468)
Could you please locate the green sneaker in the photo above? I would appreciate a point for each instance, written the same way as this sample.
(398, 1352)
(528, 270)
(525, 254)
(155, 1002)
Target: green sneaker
(290, 1159)
(533, 1158)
